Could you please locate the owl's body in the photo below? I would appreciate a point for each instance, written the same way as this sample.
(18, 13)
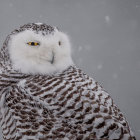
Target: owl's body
(63, 105)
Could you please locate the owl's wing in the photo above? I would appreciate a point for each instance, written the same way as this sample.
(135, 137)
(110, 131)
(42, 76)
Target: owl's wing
(23, 117)
(108, 121)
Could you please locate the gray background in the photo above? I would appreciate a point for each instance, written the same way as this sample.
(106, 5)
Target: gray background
(105, 38)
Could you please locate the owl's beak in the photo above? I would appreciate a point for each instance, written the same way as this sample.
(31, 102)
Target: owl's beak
(52, 61)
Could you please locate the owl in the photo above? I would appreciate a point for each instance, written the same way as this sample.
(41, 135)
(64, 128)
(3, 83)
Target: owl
(44, 96)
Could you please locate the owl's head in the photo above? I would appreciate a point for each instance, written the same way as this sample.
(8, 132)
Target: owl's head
(39, 49)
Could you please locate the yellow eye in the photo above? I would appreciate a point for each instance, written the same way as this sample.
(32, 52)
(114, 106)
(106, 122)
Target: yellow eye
(33, 43)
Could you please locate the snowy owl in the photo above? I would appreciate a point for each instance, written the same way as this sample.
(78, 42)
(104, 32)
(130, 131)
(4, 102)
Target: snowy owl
(44, 96)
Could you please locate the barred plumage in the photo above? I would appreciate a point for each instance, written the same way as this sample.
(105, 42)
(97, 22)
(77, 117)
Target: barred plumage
(65, 105)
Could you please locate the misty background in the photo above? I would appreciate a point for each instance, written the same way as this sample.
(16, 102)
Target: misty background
(105, 36)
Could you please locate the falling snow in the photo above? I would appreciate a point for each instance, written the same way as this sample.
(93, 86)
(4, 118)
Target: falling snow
(100, 66)
(107, 20)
